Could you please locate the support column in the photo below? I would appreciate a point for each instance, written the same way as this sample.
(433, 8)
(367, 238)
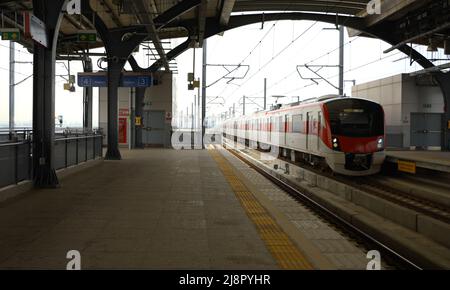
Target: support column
(118, 45)
(444, 82)
(139, 104)
(12, 86)
(87, 98)
(114, 73)
(341, 60)
(44, 175)
(205, 54)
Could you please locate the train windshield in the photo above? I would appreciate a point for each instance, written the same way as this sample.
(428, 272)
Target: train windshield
(355, 118)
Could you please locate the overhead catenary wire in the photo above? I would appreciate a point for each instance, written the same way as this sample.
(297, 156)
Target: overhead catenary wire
(347, 71)
(288, 6)
(239, 86)
(294, 72)
(274, 57)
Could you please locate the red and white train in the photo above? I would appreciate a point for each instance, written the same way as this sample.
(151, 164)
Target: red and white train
(346, 134)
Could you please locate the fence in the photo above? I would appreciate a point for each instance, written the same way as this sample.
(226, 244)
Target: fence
(16, 157)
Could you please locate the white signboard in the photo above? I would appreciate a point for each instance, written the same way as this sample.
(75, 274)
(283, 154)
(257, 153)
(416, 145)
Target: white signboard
(35, 29)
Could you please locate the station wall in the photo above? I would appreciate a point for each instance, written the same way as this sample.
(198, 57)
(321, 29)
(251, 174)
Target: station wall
(158, 108)
(156, 118)
(400, 96)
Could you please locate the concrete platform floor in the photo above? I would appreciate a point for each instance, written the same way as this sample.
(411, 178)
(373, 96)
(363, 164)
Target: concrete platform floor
(156, 209)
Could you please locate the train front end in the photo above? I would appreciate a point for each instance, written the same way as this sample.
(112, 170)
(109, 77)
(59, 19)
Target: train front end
(355, 136)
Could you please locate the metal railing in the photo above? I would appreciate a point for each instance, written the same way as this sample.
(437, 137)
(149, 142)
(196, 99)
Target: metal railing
(15, 162)
(73, 150)
(16, 156)
(15, 135)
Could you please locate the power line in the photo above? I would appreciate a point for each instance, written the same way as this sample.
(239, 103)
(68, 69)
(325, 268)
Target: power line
(262, 39)
(239, 86)
(16, 49)
(294, 72)
(331, 51)
(7, 69)
(274, 57)
(349, 70)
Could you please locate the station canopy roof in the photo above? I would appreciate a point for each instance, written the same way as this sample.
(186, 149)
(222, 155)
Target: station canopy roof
(416, 21)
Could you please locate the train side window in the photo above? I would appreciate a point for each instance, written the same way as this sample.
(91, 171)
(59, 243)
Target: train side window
(297, 123)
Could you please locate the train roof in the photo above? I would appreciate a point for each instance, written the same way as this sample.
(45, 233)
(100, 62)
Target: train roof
(308, 102)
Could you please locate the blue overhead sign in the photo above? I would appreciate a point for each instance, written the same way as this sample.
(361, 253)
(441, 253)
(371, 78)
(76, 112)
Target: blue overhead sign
(101, 80)
(136, 81)
(92, 81)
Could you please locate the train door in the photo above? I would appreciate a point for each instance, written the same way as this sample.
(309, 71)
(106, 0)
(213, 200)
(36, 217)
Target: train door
(256, 130)
(319, 129)
(280, 131)
(270, 128)
(312, 138)
(247, 129)
(285, 129)
(308, 129)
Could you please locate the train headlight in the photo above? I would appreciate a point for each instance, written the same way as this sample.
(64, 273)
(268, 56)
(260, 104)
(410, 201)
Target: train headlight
(335, 142)
(380, 143)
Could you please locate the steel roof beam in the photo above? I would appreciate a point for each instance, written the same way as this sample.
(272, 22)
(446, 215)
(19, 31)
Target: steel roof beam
(202, 21)
(114, 17)
(145, 19)
(73, 22)
(390, 9)
(175, 11)
(171, 55)
(225, 13)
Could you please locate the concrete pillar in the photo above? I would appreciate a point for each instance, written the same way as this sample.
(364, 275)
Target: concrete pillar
(204, 85)
(444, 82)
(114, 73)
(12, 86)
(118, 45)
(44, 175)
(87, 98)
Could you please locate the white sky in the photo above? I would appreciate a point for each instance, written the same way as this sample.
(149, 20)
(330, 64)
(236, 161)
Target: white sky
(289, 43)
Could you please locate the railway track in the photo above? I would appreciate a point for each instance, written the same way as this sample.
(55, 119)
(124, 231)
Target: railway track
(391, 257)
(404, 199)
(371, 185)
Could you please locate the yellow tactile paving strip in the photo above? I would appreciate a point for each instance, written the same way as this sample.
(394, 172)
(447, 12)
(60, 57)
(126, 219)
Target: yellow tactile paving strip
(287, 255)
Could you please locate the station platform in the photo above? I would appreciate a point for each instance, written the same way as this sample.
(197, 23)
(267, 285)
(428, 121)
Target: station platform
(432, 160)
(169, 209)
